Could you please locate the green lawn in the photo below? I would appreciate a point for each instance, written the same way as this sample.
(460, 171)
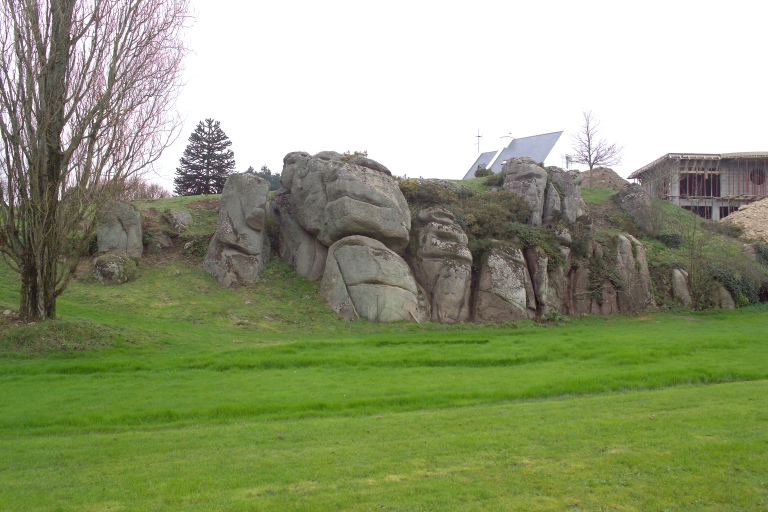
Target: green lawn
(199, 398)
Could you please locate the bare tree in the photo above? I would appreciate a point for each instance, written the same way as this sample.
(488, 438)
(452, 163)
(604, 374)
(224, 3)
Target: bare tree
(592, 150)
(87, 89)
(137, 188)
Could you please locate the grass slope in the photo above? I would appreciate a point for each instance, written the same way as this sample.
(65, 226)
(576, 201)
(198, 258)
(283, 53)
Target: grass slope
(171, 393)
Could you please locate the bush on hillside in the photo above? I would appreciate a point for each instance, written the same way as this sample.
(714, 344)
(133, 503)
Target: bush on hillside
(494, 180)
(425, 193)
(671, 240)
(482, 173)
(492, 215)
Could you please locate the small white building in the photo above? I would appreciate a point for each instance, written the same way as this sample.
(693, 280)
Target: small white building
(548, 148)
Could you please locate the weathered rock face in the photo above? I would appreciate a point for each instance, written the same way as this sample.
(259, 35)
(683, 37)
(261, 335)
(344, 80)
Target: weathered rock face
(119, 230)
(524, 177)
(722, 298)
(537, 268)
(178, 220)
(239, 249)
(115, 268)
(680, 287)
(299, 249)
(633, 200)
(571, 204)
(442, 264)
(590, 298)
(552, 205)
(335, 196)
(504, 291)
(636, 291)
(159, 242)
(365, 279)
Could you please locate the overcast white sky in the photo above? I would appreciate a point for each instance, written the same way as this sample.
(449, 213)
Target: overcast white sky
(412, 81)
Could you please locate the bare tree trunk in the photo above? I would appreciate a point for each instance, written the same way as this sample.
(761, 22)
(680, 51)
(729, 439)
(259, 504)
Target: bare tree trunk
(86, 102)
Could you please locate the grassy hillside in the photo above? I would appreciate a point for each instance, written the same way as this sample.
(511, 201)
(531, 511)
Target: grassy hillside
(171, 393)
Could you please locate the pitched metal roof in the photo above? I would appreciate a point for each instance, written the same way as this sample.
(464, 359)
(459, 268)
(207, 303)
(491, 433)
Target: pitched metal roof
(483, 162)
(537, 147)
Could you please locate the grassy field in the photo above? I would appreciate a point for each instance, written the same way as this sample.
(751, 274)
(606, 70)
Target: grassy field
(207, 399)
(171, 393)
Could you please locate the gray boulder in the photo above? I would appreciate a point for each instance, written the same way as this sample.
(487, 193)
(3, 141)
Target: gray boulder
(335, 196)
(552, 205)
(571, 204)
(158, 242)
(442, 264)
(178, 220)
(590, 297)
(722, 298)
(537, 262)
(119, 229)
(636, 291)
(298, 248)
(504, 292)
(239, 249)
(523, 176)
(636, 203)
(365, 279)
(680, 287)
(115, 268)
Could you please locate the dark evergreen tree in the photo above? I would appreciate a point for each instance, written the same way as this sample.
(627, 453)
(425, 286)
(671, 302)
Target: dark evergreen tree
(206, 162)
(272, 177)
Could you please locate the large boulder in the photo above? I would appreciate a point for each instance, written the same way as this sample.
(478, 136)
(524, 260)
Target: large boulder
(523, 176)
(722, 298)
(298, 248)
(365, 279)
(592, 295)
(504, 292)
(239, 249)
(537, 262)
(680, 287)
(119, 230)
(442, 264)
(178, 220)
(636, 291)
(637, 204)
(115, 268)
(568, 188)
(335, 196)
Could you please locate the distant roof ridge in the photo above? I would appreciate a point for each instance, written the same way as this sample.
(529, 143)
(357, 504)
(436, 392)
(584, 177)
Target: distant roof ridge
(538, 135)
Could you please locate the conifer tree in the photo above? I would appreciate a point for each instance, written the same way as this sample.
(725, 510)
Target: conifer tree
(206, 162)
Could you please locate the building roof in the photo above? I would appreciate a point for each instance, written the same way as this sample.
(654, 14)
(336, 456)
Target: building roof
(537, 147)
(697, 156)
(483, 162)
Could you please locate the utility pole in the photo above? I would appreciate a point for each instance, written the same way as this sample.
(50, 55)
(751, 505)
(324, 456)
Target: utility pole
(478, 139)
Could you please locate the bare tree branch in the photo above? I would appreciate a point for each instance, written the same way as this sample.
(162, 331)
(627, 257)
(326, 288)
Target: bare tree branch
(86, 95)
(590, 149)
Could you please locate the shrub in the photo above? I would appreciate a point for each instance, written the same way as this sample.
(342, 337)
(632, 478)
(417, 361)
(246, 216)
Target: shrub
(494, 180)
(426, 193)
(742, 288)
(491, 215)
(483, 173)
(724, 228)
(761, 250)
(671, 240)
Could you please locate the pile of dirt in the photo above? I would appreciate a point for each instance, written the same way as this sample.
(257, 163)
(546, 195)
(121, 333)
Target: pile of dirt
(753, 218)
(602, 177)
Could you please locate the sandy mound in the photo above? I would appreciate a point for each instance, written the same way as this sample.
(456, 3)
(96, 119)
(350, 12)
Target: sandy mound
(602, 177)
(753, 218)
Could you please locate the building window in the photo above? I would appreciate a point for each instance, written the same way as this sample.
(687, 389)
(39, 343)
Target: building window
(757, 176)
